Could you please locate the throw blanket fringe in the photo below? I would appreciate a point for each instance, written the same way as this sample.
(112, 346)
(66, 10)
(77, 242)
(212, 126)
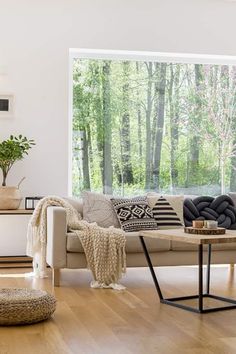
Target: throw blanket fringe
(104, 247)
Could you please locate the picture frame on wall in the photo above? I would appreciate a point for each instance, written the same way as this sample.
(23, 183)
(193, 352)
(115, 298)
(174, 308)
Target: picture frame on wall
(6, 105)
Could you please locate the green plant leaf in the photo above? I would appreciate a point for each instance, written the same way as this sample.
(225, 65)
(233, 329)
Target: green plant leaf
(12, 150)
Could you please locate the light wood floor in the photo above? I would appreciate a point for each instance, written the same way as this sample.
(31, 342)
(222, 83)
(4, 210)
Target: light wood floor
(90, 321)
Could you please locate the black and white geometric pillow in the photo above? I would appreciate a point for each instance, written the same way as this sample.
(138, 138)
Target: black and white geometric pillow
(134, 214)
(167, 211)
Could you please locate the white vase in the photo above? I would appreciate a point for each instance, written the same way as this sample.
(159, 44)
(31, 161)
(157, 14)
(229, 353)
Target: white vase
(10, 198)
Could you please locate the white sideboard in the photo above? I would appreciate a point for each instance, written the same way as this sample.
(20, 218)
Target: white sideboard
(13, 232)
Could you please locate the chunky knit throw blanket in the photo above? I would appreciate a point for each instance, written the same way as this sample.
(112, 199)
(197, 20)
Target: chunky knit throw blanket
(221, 209)
(104, 247)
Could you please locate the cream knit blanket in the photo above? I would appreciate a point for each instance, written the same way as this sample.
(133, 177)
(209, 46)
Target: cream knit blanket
(104, 247)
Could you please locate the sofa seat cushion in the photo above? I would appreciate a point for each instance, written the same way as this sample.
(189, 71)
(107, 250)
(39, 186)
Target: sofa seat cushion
(132, 243)
(183, 246)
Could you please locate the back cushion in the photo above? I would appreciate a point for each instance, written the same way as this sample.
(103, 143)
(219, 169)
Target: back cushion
(134, 214)
(76, 203)
(167, 210)
(220, 209)
(99, 208)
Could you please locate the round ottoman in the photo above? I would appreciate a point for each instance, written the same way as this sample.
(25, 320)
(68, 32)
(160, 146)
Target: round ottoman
(25, 306)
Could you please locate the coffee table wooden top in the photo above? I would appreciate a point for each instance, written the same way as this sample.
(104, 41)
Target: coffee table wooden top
(180, 235)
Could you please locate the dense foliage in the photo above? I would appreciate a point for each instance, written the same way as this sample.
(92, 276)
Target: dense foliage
(141, 126)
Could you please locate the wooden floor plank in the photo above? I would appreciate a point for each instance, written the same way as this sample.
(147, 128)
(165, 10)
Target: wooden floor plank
(99, 321)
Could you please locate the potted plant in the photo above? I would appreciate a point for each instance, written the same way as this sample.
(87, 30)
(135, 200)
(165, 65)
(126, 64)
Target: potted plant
(11, 150)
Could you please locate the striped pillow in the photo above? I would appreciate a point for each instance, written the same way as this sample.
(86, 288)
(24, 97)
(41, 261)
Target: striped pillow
(167, 210)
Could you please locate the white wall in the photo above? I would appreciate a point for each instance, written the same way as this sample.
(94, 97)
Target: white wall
(35, 37)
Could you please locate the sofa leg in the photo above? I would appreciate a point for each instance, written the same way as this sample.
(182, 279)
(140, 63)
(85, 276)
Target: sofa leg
(56, 277)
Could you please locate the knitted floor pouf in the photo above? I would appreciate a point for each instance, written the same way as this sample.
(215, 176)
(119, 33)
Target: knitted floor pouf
(20, 306)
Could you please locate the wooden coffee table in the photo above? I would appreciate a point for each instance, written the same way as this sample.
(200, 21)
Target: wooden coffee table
(200, 240)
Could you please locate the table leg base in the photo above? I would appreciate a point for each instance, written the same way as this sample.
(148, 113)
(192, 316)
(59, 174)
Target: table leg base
(200, 296)
(174, 302)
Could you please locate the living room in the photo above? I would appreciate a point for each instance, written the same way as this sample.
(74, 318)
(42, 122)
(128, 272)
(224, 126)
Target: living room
(61, 63)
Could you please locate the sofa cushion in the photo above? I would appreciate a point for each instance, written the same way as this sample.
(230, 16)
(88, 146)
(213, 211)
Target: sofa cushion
(134, 214)
(132, 243)
(167, 210)
(76, 203)
(99, 208)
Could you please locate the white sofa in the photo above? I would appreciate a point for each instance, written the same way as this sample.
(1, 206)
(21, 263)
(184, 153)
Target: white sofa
(64, 249)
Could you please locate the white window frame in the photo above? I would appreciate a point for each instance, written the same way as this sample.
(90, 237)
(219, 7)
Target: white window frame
(103, 54)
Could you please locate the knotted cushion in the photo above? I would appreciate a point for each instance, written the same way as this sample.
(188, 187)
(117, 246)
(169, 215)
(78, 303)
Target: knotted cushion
(220, 209)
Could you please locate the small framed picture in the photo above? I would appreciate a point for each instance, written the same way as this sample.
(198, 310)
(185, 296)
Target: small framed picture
(6, 105)
(31, 202)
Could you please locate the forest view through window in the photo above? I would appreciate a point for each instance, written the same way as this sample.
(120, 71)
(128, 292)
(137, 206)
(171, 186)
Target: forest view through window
(143, 126)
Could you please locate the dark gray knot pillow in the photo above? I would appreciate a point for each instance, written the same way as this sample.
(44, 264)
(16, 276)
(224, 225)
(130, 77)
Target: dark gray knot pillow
(221, 209)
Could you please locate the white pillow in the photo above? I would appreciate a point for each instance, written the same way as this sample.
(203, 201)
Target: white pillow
(76, 203)
(167, 210)
(98, 208)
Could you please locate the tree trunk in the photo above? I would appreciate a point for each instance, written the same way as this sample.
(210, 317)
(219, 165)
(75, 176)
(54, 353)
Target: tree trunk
(99, 115)
(140, 143)
(85, 161)
(148, 127)
(107, 161)
(174, 120)
(78, 157)
(160, 87)
(233, 171)
(125, 128)
(90, 149)
(233, 158)
(194, 142)
(224, 80)
(222, 174)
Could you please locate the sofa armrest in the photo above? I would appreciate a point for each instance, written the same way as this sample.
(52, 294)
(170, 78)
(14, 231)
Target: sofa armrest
(56, 237)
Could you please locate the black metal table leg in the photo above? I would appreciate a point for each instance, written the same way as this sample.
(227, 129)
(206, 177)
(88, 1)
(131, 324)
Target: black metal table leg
(151, 267)
(200, 280)
(174, 301)
(208, 269)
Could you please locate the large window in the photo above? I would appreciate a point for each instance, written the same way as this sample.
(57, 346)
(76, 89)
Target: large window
(146, 125)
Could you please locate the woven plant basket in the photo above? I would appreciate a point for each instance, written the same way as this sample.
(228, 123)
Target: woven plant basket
(20, 306)
(10, 198)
